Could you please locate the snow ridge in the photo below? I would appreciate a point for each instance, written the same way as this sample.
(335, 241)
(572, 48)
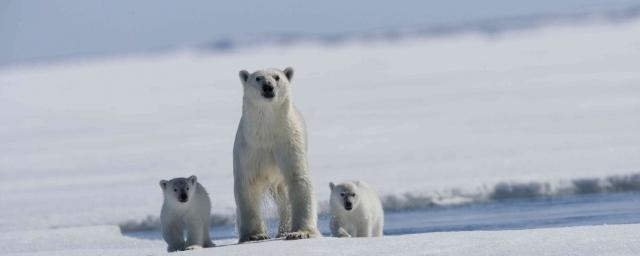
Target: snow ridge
(487, 27)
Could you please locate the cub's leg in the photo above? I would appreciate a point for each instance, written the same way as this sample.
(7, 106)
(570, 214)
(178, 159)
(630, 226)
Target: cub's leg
(173, 234)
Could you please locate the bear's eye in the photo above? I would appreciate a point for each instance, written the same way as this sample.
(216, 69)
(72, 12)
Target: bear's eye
(258, 79)
(353, 194)
(187, 189)
(277, 77)
(342, 194)
(175, 189)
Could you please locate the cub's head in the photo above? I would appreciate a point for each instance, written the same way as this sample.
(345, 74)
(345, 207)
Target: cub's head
(267, 85)
(345, 195)
(179, 189)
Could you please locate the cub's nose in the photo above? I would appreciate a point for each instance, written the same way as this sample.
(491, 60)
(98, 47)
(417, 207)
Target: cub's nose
(348, 206)
(183, 197)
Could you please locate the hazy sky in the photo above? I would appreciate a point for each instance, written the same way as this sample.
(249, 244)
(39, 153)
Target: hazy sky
(43, 29)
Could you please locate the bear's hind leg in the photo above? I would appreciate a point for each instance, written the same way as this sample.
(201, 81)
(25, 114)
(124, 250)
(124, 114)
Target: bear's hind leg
(205, 234)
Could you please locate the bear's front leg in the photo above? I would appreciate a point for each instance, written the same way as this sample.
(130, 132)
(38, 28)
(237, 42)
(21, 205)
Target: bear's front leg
(172, 232)
(303, 217)
(336, 229)
(248, 199)
(364, 230)
(303, 203)
(284, 209)
(195, 236)
(342, 233)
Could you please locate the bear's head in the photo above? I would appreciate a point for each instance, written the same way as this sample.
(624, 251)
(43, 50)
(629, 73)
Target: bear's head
(345, 194)
(179, 190)
(268, 85)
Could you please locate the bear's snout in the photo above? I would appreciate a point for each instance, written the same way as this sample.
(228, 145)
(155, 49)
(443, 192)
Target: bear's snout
(267, 90)
(183, 198)
(348, 206)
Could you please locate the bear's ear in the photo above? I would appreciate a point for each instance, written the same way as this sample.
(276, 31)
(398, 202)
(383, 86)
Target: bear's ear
(163, 184)
(289, 73)
(193, 179)
(331, 185)
(244, 76)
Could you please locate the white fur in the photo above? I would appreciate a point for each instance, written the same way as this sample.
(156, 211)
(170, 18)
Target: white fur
(192, 216)
(270, 157)
(365, 219)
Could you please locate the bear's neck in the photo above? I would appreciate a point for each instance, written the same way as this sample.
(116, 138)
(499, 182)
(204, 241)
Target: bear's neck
(263, 122)
(177, 207)
(266, 113)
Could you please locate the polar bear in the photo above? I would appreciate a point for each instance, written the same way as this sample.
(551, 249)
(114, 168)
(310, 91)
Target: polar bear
(356, 210)
(187, 208)
(270, 157)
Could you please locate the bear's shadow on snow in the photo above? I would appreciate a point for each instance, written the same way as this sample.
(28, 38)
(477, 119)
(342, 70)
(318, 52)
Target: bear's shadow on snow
(253, 242)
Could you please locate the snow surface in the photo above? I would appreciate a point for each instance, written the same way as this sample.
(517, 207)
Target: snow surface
(586, 240)
(84, 143)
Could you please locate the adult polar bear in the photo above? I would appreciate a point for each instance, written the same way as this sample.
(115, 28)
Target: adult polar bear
(270, 155)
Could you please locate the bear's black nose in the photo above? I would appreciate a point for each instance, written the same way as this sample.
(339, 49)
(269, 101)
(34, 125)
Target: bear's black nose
(267, 88)
(348, 206)
(183, 197)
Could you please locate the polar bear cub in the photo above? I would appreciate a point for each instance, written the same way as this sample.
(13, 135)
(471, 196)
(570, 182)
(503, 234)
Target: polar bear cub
(356, 210)
(186, 208)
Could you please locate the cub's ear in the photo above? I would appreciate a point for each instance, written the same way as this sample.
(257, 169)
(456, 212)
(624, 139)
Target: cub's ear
(288, 72)
(193, 179)
(331, 185)
(163, 184)
(244, 75)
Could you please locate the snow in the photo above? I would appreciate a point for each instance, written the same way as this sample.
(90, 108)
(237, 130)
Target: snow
(595, 240)
(73, 239)
(83, 143)
(586, 240)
